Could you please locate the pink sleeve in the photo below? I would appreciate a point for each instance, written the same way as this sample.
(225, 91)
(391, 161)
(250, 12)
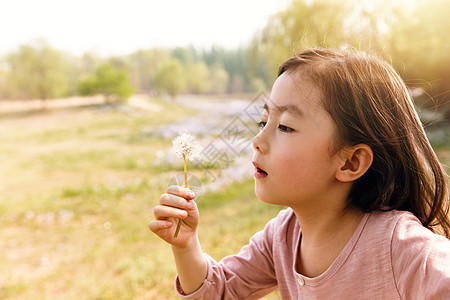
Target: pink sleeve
(420, 261)
(247, 275)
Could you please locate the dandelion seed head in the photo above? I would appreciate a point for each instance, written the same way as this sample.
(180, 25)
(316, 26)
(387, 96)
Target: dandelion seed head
(186, 147)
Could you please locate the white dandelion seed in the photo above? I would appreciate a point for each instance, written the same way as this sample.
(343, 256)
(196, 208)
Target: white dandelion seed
(186, 147)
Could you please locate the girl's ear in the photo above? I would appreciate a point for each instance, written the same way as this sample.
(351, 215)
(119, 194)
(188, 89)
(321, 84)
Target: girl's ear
(356, 161)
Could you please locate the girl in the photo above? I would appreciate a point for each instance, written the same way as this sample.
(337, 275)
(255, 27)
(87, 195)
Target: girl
(342, 146)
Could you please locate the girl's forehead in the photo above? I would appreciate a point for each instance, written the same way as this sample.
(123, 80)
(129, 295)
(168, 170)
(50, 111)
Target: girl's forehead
(291, 90)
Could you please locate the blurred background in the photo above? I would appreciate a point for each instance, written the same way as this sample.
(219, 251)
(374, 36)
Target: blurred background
(92, 93)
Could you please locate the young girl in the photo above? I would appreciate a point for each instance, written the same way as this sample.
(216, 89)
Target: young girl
(342, 146)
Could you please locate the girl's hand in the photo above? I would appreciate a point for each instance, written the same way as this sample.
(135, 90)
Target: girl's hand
(176, 204)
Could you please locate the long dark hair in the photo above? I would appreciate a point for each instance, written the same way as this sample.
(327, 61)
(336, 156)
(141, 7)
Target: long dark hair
(370, 104)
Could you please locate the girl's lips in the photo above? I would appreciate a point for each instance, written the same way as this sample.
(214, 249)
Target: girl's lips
(259, 173)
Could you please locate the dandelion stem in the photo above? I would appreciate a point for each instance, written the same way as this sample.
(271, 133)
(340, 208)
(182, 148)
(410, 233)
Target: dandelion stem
(185, 185)
(185, 173)
(178, 228)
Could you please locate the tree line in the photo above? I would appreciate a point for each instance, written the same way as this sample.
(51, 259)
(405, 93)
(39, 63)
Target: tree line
(38, 71)
(411, 34)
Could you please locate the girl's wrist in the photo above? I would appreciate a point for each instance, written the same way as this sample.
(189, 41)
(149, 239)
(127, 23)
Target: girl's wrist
(192, 245)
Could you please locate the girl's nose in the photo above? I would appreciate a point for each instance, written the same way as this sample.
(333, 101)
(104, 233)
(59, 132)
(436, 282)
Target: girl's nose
(260, 142)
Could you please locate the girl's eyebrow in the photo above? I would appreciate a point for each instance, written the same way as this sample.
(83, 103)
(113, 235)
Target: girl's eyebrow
(290, 108)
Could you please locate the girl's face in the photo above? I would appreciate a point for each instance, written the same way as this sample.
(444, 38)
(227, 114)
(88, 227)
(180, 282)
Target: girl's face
(293, 151)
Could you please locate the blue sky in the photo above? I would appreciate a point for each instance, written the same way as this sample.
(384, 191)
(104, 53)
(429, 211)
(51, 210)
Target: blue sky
(114, 27)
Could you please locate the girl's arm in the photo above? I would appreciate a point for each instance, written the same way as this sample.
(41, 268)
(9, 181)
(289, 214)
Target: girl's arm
(247, 275)
(250, 274)
(191, 265)
(174, 205)
(420, 261)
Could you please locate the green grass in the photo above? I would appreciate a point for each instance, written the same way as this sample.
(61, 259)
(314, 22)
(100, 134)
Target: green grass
(77, 189)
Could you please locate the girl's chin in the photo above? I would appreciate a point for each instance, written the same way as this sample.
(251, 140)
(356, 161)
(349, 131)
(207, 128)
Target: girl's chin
(264, 196)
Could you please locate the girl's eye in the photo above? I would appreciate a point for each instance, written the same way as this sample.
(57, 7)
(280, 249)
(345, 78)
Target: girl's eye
(262, 124)
(285, 129)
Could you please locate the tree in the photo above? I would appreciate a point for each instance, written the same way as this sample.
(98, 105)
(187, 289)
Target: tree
(419, 48)
(3, 92)
(409, 34)
(363, 25)
(142, 67)
(198, 78)
(185, 55)
(218, 80)
(36, 71)
(235, 62)
(170, 78)
(108, 80)
(302, 25)
(257, 85)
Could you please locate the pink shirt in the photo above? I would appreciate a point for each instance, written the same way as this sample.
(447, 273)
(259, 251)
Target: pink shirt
(390, 256)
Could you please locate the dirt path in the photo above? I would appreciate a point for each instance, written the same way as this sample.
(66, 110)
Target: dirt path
(10, 106)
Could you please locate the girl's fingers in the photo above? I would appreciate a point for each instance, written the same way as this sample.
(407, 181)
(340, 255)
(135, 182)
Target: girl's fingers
(181, 192)
(159, 225)
(162, 212)
(175, 201)
(175, 205)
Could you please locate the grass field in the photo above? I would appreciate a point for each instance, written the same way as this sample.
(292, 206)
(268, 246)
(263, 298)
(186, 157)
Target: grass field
(77, 187)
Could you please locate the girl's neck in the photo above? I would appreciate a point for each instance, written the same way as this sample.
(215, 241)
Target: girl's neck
(324, 235)
(319, 226)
